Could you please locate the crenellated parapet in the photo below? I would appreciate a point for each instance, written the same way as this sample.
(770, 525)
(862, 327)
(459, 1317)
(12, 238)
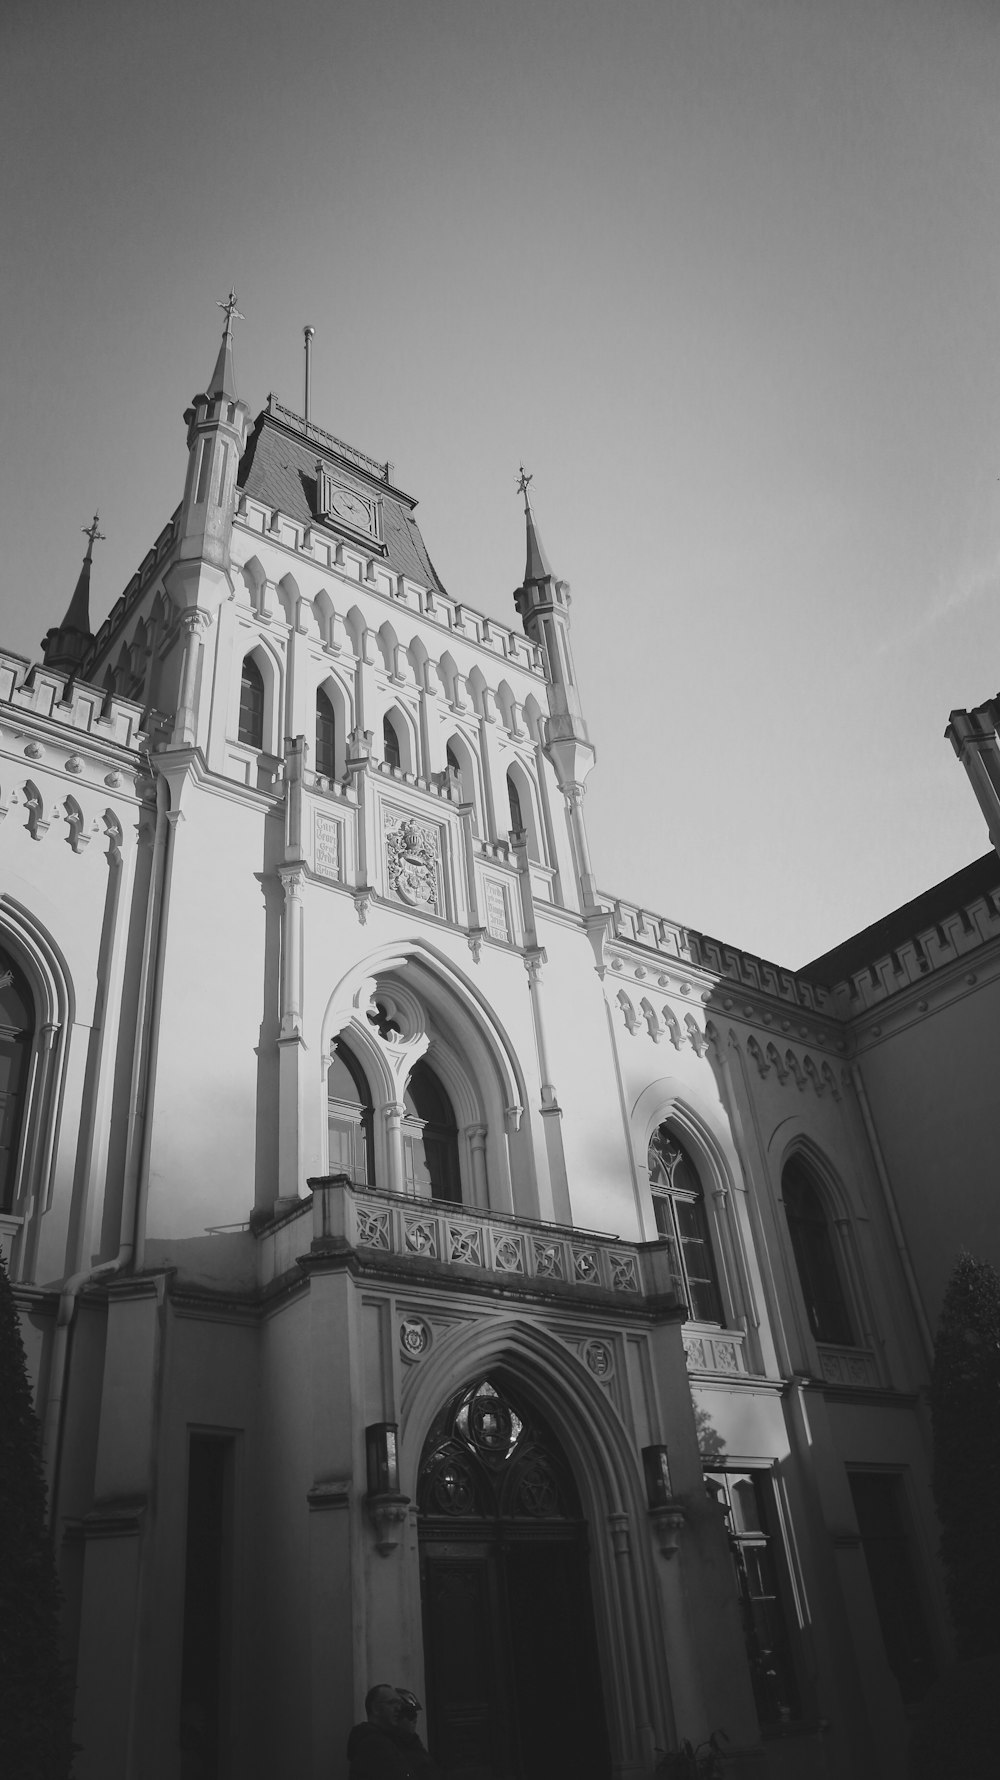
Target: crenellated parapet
(55, 708)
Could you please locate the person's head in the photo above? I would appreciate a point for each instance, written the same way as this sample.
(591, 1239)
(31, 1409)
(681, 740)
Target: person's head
(409, 1707)
(383, 1705)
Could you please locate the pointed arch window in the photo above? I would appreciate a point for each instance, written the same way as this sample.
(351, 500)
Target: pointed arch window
(679, 1208)
(514, 799)
(390, 742)
(251, 725)
(17, 1026)
(430, 1138)
(326, 737)
(815, 1256)
(349, 1118)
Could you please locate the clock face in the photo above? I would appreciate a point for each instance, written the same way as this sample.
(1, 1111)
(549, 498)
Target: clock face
(352, 508)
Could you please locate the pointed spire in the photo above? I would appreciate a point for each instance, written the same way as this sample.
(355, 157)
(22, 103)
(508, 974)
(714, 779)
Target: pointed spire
(536, 567)
(66, 646)
(223, 381)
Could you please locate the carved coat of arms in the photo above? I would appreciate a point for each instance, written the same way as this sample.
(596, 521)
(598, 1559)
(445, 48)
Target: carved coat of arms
(411, 850)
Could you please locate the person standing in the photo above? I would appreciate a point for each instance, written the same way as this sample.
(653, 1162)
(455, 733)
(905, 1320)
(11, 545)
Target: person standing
(386, 1746)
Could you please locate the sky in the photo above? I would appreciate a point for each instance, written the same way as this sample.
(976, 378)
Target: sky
(724, 275)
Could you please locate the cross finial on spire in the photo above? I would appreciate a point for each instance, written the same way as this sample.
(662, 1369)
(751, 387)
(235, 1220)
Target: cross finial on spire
(91, 532)
(522, 484)
(232, 313)
(223, 377)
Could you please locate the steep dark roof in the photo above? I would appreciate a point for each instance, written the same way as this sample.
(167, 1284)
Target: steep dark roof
(279, 469)
(981, 878)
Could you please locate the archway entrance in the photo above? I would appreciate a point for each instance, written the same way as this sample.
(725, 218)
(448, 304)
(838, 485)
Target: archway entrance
(513, 1688)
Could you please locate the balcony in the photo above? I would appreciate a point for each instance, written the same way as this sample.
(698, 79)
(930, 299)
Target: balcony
(436, 1239)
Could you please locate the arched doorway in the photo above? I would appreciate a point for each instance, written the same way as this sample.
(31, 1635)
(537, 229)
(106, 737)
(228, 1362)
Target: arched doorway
(17, 1024)
(513, 1687)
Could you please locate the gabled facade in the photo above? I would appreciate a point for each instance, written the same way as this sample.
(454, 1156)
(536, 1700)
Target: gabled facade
(433, 1268)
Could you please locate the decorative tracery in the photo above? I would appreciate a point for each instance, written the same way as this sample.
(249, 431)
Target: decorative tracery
(490, 1458)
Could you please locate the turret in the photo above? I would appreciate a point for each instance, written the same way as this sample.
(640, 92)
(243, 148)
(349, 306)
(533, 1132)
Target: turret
(66, 645)
(216, 434)
(543, 603)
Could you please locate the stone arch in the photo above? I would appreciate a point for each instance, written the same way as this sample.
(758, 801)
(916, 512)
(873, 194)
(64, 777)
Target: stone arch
(405, 730)
(793, 1143)
(47, 976)
(420, 663)
(470, 774)
(452, 681)
(250, 586)
(270, 668)
(357, 630)
(697, 1122)
(443, 1015)
(527, 801)
(607, 1472)
(508, 707)
(328, 624)
(342, 702)
(534, 719)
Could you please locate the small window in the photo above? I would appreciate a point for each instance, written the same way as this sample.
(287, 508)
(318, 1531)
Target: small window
(815, 1256)
(326, 737)
(430, 1138)
(679, 1208)
(882, 1523)
(516, 817)
(251, 729)
(747, 1500)
(17, 1024)
(349, 1118)
(390, 742)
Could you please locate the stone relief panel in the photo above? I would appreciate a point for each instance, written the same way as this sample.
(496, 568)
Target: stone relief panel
(413, 862)
(326, 846)
(497, 921)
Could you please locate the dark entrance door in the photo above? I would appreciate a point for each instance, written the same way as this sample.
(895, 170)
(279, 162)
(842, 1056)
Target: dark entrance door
(512, 1678)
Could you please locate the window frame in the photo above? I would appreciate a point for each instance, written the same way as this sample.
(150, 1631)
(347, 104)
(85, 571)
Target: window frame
(769, 1537)
(669, 1196)
(819, 1271)
(245, 740)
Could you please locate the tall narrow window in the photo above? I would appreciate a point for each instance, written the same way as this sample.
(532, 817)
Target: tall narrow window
(430, 1138)
(251, 729)
(815, 1257)
(326, 737)
(390, 742)
(456, 767)
(881, 1512)
(349, 1118)
(207, 1625)
(516, 815)
(679, 1208)
(744, 1497)
(17, 1022)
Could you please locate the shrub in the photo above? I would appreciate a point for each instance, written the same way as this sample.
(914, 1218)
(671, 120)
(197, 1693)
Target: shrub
(965, 1409)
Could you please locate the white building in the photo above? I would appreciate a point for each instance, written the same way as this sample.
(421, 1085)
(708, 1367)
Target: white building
(403, 1226)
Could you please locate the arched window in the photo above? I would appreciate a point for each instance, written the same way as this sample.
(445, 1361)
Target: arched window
(326, 737)
(456, 767)
(679, 1208)
(251, 727)
(390, 742)
(430, 1138)
(349, 1118)
(514, 799)
(815, 1257)
(17, 1024)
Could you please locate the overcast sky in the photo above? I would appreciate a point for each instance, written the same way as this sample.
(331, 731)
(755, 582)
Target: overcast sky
(724, 273)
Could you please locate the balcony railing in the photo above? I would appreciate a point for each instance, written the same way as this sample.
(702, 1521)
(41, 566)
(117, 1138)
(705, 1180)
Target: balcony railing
(464, 1237)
